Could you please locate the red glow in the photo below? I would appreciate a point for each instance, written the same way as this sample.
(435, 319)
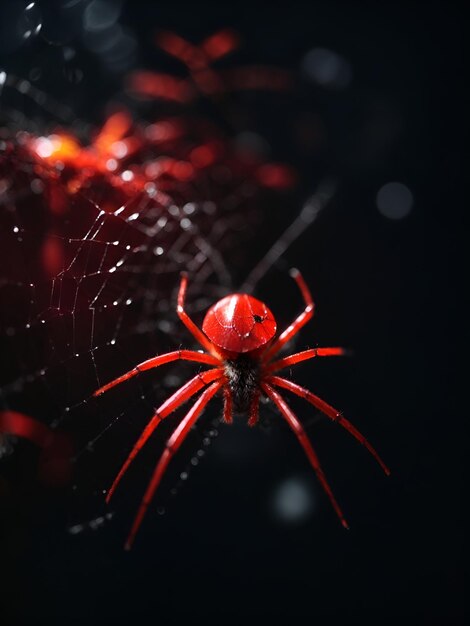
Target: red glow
(276, 176)
(160, 86)
(203, 156)
(53, 256)
(55, 462)
(220, 44)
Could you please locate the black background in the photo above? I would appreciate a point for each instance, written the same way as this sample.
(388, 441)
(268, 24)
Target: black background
(386, 288)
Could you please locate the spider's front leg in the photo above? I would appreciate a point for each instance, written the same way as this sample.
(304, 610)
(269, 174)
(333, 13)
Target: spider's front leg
(299, 321)
(188, 322)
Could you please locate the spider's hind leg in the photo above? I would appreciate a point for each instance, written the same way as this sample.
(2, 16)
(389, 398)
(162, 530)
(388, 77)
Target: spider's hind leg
(330, 412)
(228, 405)
(254, 408)
(172, 446)
(180, 396)
(301, 435)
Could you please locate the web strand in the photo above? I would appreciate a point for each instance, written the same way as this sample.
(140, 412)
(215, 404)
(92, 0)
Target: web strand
(307, 216)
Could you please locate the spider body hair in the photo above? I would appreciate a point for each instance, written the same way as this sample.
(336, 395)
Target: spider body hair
(244, 377)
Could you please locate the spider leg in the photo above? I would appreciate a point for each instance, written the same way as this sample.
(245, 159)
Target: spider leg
(331, 412)
(299, 321)
(254, 409)
(301, 435)
(219, 44)
(173, 402)
(196, 58)
(171, 448)
(188, 322)
(228, 402)
(298, 357)
(184, 355)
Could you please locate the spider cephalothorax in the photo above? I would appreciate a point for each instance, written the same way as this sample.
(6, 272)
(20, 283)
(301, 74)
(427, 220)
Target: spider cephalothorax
(238, 334)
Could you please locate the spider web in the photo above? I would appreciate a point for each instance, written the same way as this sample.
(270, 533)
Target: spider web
(97, 225)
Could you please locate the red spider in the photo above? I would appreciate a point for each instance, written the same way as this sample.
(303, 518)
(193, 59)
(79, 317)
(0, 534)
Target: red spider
(238, 336)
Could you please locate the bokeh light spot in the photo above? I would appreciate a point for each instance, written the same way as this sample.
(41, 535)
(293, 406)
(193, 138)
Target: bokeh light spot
(394, 200)
(293, 501)
(100, 15)
(327, 68)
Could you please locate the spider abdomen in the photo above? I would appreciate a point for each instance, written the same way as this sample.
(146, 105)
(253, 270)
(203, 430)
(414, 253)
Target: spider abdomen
(243, 379)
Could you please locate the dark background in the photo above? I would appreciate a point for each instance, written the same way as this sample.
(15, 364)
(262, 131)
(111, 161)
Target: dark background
(386, 288)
